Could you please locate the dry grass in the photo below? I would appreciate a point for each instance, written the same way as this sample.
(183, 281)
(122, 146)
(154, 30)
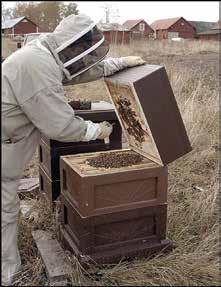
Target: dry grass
(165, 48)
(8, 47)
(193, 181)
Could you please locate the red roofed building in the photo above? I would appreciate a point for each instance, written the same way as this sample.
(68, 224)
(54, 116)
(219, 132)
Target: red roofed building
(139, 29)
(173, 28)
(115, 33)
(19, 26)
(211, 34)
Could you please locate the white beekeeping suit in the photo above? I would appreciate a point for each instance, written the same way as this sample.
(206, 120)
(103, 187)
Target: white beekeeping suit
(33, 102)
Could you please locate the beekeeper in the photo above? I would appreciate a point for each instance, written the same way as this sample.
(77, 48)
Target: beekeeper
(33, 102)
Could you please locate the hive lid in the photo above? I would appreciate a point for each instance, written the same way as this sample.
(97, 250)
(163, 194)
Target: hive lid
(148, 112)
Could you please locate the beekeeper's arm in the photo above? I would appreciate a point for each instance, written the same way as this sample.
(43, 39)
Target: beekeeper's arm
(113, 65)
(47, 108)
(107, 68)
(49, 112)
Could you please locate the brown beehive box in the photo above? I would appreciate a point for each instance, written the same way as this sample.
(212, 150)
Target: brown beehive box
(111, 211)
(150, 118)
(49, 157)
(148, 112)
(112, 237)
(94, 191)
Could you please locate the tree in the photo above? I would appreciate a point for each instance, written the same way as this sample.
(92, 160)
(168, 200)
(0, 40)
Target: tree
(46, 14)
(28, 9)
(111, 12)
(49, 14)
(7, 13)
(68, 9)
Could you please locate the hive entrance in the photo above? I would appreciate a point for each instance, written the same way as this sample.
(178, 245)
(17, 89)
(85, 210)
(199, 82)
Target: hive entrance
(115, 160)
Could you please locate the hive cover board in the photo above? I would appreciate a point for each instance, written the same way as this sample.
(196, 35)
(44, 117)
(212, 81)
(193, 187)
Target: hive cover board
(148, 112)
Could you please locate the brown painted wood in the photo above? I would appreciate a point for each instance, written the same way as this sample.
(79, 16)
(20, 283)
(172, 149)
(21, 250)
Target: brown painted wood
(50, 188)
(99, 191)
(116, 255)
(53, 144)
(101, 232)
(154, 93)
(140, 228)
(45, 158)
(49, 156)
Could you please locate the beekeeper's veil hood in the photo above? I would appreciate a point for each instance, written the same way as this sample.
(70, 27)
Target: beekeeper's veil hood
(77, 44)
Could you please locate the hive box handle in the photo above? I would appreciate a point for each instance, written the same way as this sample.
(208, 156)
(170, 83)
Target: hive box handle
(64, 180)
(40, 154)
(65, 215)
(41, 183)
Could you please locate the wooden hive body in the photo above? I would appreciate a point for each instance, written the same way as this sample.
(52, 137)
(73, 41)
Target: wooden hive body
(94, 191)
(109, 238)
(134, 195)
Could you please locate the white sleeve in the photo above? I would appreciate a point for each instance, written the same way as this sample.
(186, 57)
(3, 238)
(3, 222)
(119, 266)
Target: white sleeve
(93, 131)
(112, 65)
(49, 112)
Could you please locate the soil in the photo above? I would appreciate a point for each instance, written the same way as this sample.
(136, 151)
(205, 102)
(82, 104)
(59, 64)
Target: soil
(129, 117)
(80, 105)
(115, 160)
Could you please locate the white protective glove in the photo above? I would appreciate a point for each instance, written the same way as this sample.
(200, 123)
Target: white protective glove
(132, 61)
(97, 131)
(113, 65)
(106, 130)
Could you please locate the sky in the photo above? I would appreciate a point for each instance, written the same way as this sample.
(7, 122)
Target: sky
(148, 10)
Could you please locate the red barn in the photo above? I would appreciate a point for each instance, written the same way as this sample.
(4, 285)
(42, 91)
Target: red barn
(139, 29)
(173, 28)
(19, 26)
(115, 33)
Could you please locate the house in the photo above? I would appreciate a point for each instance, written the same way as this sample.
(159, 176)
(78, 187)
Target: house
(19, 26)
(115, 33)
(139, 29)
(173, 28)
(202, 26)
(214, 33)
